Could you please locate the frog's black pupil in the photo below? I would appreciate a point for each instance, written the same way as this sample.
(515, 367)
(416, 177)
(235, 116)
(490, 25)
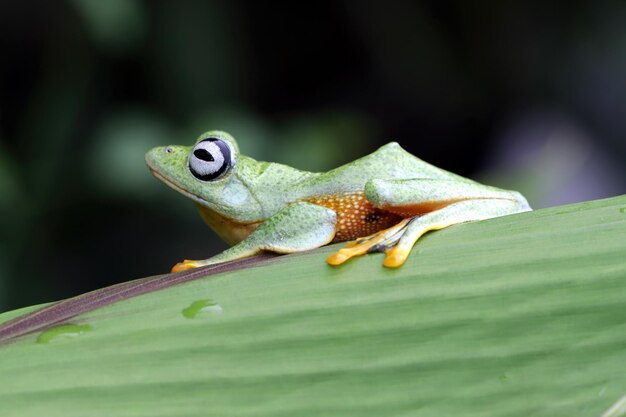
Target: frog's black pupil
(203, 154)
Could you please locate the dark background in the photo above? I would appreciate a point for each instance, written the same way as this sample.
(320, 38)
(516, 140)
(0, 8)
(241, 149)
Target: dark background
(524, 95)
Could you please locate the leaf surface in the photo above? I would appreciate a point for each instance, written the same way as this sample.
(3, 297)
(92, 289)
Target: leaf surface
(516, 316)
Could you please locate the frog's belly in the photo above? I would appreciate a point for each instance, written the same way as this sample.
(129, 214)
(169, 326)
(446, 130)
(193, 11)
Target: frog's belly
(356, 217)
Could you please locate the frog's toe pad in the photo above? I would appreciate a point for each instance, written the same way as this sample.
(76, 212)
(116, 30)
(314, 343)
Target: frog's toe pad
(337, 258)
(185, 265)
(346, 253)
(396, 257)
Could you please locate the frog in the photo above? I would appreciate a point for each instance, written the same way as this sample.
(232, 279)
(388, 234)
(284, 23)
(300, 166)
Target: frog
(382, 202)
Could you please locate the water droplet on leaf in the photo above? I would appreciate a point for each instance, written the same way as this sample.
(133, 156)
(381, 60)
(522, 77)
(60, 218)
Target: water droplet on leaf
(202, 308)
(63, 331)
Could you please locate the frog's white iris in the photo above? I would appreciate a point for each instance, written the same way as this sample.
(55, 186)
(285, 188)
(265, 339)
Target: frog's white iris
(209, 159)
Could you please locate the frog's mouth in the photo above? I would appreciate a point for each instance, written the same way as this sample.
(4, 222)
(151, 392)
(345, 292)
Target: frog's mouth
(177, 187)
(228, 229)
(199, 200)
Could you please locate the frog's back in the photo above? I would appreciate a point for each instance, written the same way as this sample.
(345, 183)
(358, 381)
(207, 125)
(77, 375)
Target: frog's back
(391, 161)
(388, 162)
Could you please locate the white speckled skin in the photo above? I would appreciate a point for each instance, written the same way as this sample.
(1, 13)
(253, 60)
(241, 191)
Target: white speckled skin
(253, 192)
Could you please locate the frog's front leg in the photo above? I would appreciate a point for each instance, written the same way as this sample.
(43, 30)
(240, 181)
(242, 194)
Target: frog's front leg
(427, 204)
(297, 227)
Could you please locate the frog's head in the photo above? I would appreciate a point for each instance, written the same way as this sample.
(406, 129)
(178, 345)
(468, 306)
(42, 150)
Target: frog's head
(205, 172)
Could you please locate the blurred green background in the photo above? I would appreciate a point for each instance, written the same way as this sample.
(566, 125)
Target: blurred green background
(525, 95)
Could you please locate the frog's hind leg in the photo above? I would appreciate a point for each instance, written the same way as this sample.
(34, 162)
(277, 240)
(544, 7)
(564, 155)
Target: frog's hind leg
(426, 204)
(463, 211)
(397, 241)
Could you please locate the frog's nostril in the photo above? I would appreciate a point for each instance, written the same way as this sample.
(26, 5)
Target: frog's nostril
(169, 149)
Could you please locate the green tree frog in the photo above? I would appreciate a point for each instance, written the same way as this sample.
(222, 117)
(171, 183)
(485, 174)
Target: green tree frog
(383, 202)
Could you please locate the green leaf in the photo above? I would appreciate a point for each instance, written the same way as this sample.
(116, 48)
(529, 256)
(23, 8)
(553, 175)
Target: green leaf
(523, 315)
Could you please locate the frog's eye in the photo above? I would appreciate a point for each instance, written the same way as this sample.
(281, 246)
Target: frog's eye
(210, 159)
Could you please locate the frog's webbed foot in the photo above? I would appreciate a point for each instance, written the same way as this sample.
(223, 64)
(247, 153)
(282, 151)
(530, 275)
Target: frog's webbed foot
(377, 242)
(398, 240)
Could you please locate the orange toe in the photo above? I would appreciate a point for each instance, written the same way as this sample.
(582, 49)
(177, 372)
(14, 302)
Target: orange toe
(337, 258)
(184, 266)
(395, 257)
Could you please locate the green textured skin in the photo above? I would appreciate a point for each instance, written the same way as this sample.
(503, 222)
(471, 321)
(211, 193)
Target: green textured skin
(298, 227)
(257, 191)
